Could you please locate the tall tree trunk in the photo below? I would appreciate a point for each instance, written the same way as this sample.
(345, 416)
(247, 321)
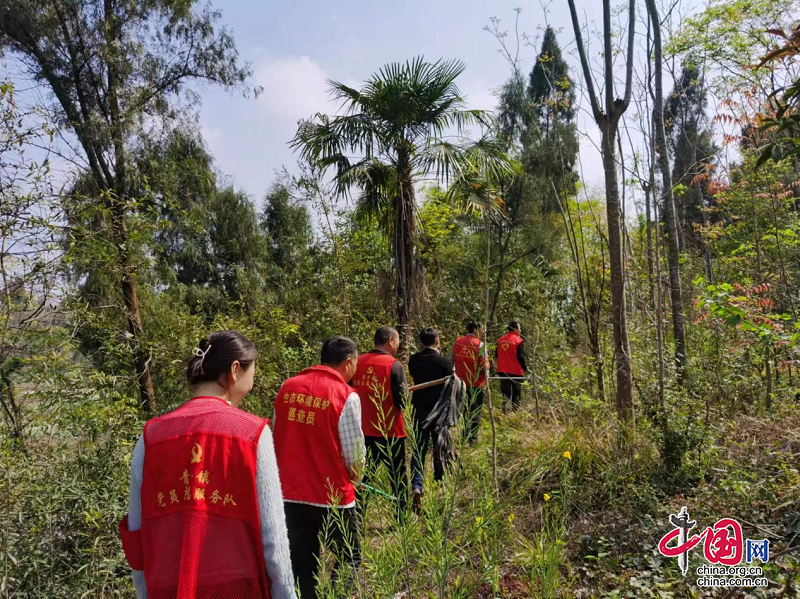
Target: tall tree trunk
(119, 200)
(591, 303)
(141, 358)
(486, 361)
(673, 253)
(663, 420)
(607, 120)
(619, 315)
(648, 192)
(403, 249)
(501, 271)
(594, 343)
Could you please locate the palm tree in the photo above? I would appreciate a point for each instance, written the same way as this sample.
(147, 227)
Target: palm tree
(406, 124)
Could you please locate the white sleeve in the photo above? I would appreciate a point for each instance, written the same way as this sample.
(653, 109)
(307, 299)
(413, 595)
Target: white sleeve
(135, 509)
(274, 538)
(351, 436)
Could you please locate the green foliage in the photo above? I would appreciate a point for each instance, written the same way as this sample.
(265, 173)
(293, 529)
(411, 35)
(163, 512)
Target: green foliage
(398, 128)
(784, 122)
(689, 140)
(575, 512)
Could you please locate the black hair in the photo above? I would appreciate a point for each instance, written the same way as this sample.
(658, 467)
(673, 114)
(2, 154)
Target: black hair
(336, 349)
(474, 325)
(383, 334)
(428, 337)
(220, 350)
(513, 325)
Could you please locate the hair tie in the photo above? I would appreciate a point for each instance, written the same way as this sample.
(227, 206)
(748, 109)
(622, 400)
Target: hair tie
(199, 353)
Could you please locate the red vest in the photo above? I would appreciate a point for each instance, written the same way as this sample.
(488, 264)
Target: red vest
(469, 361)
(373, 381)
(201, 533)
(306, 434)
(507, 361)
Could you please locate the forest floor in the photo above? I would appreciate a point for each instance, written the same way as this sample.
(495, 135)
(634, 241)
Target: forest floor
(578, 521)
(752, 477)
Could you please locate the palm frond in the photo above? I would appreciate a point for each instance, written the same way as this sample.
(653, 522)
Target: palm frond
(378, 184)
(488, 157)
(470, 193)
(326, 140)
(347, 96)
(443, 159)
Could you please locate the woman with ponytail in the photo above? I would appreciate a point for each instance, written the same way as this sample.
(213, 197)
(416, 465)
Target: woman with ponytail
(205, 518)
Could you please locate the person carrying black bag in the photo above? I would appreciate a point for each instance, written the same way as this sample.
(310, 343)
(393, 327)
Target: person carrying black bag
(425, 366)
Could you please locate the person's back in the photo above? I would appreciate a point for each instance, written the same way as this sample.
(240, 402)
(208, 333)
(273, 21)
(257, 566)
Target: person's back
(320, 450)
(200, 523)
(205, 515)
(510, 361)
(307, 445)
(511, 365)
(425, 366)
(380, 381)
(468, 358)
(471, 365)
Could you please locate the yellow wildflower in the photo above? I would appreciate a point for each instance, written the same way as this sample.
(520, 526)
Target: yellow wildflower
(479, 520)
(547, 497)
(511, 518)
(567, 455)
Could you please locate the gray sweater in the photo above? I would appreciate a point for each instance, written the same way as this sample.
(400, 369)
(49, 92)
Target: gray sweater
(270, 510)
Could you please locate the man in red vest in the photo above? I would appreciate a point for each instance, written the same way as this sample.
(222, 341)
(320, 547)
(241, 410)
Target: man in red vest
(319, 447)
(468, 357)
(510, 354)
(380, 381)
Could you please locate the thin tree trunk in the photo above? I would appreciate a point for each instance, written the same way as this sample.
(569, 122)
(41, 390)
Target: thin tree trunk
(659, 309)
(768, 373)
(501, 271)
(673, 253)
(486, 361)
(590, 309)
(619, 315)
(128, 283)
(701, 205)
(403, 249)
(607, 120)
(533, 359)
(649, 225)
(11, 407)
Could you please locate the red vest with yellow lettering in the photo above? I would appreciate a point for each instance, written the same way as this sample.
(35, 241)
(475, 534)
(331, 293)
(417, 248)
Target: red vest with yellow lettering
(469, 361)
(507, 361)
(373, 381)
(201, 533)
(306, 435)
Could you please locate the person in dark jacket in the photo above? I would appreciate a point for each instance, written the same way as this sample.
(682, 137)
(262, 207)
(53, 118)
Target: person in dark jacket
(424, 366)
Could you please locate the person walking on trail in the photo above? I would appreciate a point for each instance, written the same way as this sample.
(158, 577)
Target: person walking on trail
(425, 366)
(471, 367)
(380, 381)
(511, 368)
(205, 515)
(320, 451)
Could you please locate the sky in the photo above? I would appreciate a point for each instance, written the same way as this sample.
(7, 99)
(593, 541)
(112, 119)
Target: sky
(295, 47)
